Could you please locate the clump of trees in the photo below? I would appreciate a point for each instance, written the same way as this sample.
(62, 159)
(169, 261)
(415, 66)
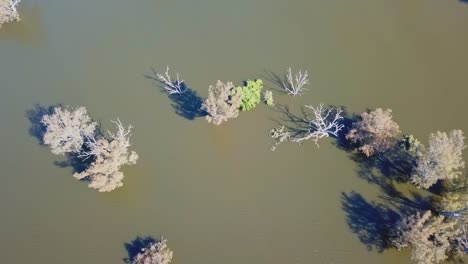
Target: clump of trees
(375, 132)
(250, 94)
(154, 253)
(441, 160)
(72, 132)
(8, 11)
(433, 237)
(109, 155)
(66, 129)
(222, 103)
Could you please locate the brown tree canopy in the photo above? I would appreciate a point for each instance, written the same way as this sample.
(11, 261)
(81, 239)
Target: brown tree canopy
(375, 132)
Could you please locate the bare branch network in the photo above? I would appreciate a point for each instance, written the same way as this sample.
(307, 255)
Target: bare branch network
(171, 86)
(323, 125)
(295, 85)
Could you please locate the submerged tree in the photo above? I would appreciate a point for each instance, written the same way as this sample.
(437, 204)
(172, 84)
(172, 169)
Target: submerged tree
(322, 125)
(66, 129)
(375, 132)
(268, 98)
(442, 160)
(8, 11)
(250, 94)
(154, 253)
(295, 85)
(176, 86)
(431, 237)
(108, 155)
(221, 103)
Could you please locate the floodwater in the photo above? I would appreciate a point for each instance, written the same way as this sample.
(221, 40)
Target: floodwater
(218, 194)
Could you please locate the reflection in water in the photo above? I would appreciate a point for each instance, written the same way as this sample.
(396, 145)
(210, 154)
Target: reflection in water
(27, 31)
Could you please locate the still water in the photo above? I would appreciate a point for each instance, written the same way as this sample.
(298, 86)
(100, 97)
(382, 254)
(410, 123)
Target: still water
(217, 193)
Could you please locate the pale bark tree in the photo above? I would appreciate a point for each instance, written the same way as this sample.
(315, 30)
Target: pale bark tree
(66, 129)
(375, 132)
(323, 125)
(8, 11)
(171, 86)
(326, 122)
(221, 104)
(108, 155)
(295, 85)
(155, 253)
(441, 160)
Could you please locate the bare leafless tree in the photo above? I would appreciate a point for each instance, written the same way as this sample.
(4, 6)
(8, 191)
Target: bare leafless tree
(221, 103)
(323, 125)
(66, 129)
(326, 122)
(176, 86)
(8, 11)
(295, 85)
(108, 155)
(154, 253)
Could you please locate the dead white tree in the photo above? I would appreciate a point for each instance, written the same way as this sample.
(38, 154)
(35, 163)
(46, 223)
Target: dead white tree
(295, 85)
(8, 11)
(323, 125)
(66, 129)
(154, 253)
(280, 135)
(109, 156)
(171, 86)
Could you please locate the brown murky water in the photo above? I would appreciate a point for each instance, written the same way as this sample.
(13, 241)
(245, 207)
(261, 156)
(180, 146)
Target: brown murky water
(217, 193)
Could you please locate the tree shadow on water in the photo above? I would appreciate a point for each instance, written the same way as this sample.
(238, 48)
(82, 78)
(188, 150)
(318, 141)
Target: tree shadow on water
(187, 104)
(135, 247)
(35, 115)
(370, 221)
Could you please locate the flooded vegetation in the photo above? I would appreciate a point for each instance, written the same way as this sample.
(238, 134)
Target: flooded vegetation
(362, 103)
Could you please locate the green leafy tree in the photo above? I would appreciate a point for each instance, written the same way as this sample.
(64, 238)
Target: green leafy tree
(250, 94)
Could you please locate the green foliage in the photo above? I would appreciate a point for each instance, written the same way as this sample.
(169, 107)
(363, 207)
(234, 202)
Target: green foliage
(410, 144)
(250, 94)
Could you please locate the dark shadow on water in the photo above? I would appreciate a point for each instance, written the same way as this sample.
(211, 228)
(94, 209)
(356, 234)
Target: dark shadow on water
(297, 124)
(275, 80)
(370, 221)
(348, 119)
(187, 105)
(34, 115)
(135, 246)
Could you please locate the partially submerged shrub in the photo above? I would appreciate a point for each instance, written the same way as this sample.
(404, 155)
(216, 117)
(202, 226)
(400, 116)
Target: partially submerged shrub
(67, 129)
(250, 94)
(221, 103)
(8, 11)
(411, 144)
(375, 132)
(109, 156)
(155, 253)
(431, 237)
(442, 160)
(268, 98)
